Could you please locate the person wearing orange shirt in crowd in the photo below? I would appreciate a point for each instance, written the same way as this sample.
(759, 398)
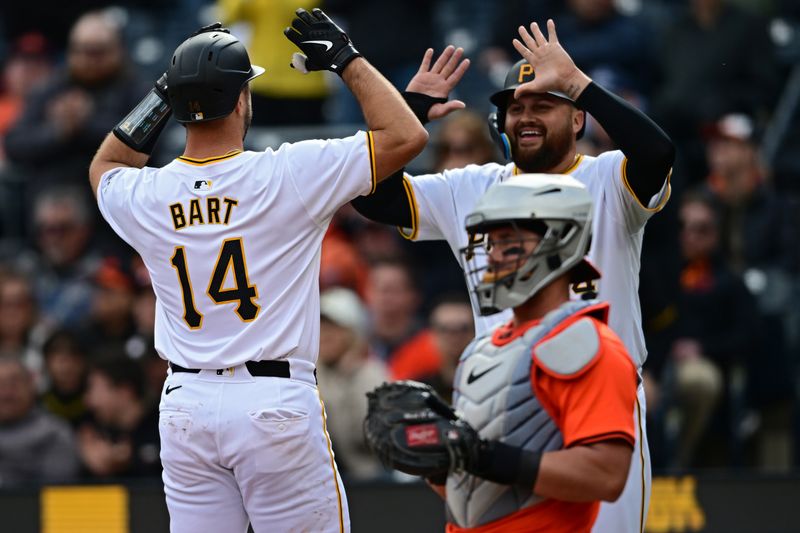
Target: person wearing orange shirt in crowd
(550, 393)
(434, 357)
(27, 65)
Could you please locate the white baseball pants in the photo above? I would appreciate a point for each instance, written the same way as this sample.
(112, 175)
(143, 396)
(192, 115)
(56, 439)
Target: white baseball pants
(237, 449)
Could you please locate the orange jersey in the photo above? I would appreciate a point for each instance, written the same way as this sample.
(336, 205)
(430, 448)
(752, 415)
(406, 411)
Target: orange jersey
(593, 404)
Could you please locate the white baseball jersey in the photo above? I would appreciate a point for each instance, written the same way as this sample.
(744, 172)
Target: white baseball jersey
(442, 201)
(232, 245)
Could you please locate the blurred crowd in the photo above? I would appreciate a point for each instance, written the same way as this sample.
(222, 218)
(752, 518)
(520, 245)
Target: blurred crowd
(720, 280)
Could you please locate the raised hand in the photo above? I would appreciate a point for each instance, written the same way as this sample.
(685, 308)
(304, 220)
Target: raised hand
(555, 69)
(325, 45)
(439, 79)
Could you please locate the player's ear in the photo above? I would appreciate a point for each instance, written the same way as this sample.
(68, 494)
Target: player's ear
(578, 121)
(244, 100)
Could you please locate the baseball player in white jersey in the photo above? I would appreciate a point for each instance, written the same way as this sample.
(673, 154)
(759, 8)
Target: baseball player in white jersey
(231, 240)
(540, 116)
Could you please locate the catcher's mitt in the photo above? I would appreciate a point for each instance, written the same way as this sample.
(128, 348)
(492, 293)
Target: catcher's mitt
(411, 429)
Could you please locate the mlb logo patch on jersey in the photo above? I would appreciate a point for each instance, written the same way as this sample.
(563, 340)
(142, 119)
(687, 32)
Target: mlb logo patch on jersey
(202, 185)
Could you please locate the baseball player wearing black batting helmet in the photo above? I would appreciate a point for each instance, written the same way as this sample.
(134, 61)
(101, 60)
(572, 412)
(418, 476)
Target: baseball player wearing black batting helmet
(231, 239)
(206, 75)
(521, 72)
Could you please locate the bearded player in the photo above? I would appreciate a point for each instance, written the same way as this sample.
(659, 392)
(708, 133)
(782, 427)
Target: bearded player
(540, 115)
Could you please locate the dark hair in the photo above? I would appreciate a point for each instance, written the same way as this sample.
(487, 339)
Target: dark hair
(64, 340)
(701, 195)
(122, 372)
(398, 262)
(451, 298)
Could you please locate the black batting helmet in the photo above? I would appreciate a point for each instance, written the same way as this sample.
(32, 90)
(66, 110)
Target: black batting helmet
(206, 75)
(520, 72)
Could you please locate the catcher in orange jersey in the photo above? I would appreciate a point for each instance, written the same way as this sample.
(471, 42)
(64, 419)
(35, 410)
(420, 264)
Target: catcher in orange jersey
(541, 430)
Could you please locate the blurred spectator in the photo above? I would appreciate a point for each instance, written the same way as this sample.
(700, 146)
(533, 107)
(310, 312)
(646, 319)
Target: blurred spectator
(284, 96)
(122, 439)
(65, 265)
(341, 262)
(451, 329)
(757, 232)
(346, 372)
(393, 302)
(144, 320)
(716, 331)
(155, 373)
(463, 139)
(375, 241)
(141, 345)
(21, 334)
(27, 66)
(715, 58)
(759, 242)
(35, 446)
(111, 324)
(50, 17)
(65, 362)
(65, 120)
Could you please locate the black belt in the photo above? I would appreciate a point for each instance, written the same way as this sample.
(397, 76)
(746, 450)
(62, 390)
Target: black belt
(270, 368)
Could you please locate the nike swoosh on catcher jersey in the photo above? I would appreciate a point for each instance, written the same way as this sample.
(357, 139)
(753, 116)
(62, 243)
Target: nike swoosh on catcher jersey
(170, 389)
(475, 377)
(327, 44)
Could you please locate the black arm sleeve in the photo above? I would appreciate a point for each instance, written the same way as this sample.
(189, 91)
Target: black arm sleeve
(389, 204)
(649, 151)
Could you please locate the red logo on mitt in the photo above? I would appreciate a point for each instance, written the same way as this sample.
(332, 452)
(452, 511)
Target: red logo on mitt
(422, 435)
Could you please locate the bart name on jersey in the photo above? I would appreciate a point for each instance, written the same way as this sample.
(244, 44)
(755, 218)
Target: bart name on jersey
(202, 211)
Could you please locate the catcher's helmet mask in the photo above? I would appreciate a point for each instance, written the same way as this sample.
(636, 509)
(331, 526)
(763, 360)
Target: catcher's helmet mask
(559, 209)
(206, 76)
(521, 72)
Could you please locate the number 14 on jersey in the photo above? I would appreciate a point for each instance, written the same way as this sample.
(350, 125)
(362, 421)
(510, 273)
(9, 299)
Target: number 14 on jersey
(231, 257)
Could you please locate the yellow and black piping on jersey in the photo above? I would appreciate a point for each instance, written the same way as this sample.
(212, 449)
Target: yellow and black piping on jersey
(208, 160)
(371, 150)
(412, 205)
(575, 163)
(664, 197)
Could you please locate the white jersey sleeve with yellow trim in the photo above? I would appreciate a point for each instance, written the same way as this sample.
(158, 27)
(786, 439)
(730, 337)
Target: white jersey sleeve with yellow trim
(440, 204)
(323, 174)
(232, 245)
(607, 173)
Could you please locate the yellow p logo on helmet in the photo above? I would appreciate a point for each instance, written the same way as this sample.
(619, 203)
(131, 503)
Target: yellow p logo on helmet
(525, 70)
